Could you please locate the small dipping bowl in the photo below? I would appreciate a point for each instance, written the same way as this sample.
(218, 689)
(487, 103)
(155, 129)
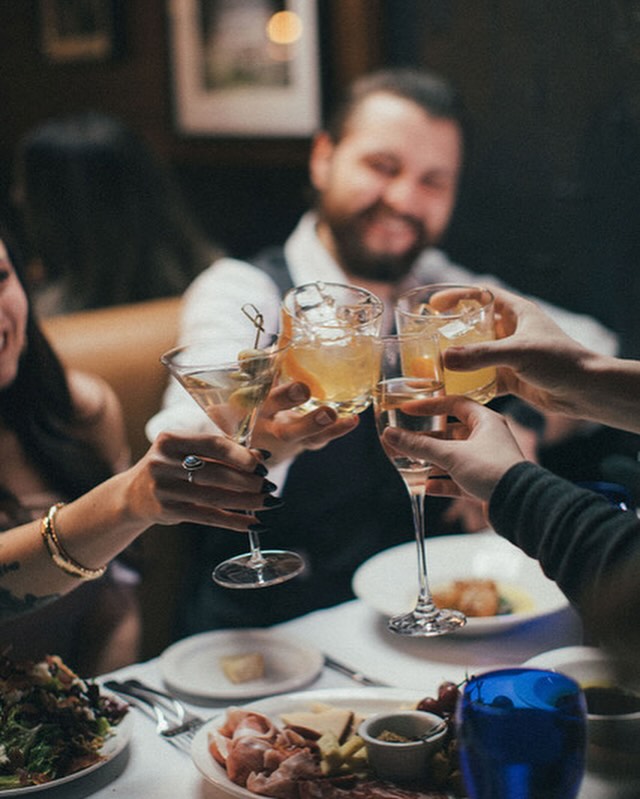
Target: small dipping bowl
(613, 738)
(394, 760)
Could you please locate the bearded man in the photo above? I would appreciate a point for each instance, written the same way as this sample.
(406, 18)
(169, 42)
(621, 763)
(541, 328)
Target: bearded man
(386, 172)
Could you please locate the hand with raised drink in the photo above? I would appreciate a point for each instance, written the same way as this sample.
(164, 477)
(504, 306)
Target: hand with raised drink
(538, 362)
(476, 454)
(283, 430)
(228, 476)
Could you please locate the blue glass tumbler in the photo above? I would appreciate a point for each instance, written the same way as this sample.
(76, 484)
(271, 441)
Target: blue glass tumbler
(522, 735)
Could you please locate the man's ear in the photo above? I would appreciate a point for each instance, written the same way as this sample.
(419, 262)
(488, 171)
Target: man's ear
(319, 164)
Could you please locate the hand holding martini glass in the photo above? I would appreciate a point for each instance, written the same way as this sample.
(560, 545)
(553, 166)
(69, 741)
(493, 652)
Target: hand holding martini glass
(231, 394)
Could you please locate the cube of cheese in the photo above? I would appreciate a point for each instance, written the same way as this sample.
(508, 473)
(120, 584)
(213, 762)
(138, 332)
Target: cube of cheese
(244, 667)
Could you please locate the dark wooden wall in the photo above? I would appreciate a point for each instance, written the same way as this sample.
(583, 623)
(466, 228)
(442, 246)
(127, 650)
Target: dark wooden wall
(551, 200)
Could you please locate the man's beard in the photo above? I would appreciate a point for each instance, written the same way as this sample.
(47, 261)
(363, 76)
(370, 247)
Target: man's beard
(360, 261)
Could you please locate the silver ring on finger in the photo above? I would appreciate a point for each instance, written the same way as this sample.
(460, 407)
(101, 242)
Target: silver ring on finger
(191, 464)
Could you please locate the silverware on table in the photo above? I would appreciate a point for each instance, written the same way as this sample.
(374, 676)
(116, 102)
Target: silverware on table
(354, 674)
(173, 721)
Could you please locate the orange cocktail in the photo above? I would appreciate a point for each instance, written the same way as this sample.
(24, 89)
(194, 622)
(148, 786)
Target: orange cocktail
(332, 331)
(459, 315)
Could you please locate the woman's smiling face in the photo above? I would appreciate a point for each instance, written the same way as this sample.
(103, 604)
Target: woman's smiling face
(13, 319)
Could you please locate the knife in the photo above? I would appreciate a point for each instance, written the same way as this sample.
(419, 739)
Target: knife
(354, 674)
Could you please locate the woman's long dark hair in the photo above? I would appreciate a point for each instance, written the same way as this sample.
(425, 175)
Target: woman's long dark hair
(38, 407)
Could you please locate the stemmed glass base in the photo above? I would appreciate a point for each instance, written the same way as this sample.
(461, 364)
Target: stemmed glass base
(270, 568)
(427, 622)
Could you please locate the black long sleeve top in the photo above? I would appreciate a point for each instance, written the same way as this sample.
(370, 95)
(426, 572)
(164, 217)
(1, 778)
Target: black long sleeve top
(581, 541)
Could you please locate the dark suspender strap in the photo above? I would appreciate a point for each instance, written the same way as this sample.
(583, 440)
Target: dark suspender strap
(271, 260)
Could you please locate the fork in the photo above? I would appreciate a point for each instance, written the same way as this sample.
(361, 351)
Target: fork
(180, 732)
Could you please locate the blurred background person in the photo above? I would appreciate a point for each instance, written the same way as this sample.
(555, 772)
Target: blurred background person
(103, 222)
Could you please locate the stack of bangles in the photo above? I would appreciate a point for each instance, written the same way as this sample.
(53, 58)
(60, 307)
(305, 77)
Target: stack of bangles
(59, 554)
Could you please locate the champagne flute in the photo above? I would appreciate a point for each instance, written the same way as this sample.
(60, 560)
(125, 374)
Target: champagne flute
(332, 331)
(231, 394)
(522, 735)
(458, 315)
(411, 370)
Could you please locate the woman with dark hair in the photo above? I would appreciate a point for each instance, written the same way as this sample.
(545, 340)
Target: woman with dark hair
(103, 220)
(62, 441)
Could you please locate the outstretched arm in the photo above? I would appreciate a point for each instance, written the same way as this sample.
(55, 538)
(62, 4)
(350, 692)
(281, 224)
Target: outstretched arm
(538, 362)
(97, 526)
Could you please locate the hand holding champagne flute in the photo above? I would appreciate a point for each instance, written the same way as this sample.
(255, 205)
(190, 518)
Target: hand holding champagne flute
(231, 393)
(411, 370)
(458, 315)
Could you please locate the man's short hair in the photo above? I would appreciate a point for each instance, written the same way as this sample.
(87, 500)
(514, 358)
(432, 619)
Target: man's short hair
(431, 92)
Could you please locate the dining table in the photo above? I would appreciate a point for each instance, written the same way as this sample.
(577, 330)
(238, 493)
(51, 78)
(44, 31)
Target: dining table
(352, 633)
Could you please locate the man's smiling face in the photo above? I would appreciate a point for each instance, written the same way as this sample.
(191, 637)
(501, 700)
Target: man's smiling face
(387, 188)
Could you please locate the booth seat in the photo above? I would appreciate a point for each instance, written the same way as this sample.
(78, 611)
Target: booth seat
(123, 344)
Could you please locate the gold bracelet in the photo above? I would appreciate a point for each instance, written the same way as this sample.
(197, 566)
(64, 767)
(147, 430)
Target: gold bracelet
(59, 554)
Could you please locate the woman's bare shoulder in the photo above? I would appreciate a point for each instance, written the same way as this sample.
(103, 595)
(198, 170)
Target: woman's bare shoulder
(100, 415)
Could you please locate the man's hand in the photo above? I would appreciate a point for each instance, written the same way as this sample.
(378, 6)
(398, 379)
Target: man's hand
(479, 449)
(286, 432)
(536, 360)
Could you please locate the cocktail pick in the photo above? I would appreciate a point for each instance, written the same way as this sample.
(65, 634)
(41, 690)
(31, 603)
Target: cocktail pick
(257, 319)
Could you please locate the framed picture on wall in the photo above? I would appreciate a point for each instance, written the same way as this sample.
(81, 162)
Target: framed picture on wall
(247, 68)
(80, 30)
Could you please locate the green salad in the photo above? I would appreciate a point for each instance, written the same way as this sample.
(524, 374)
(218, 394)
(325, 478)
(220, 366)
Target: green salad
(52, 723)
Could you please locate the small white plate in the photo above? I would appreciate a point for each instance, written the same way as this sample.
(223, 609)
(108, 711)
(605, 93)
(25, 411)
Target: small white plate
(192, 666)
(388, 581)
(362, 700)
(112, 747)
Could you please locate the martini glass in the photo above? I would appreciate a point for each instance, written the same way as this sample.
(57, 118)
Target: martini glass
(411, 370)
(231, 394)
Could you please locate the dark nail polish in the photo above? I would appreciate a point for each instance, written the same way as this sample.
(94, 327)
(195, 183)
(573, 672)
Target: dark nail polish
(257, 527)
(268, 487)
(265, 453)
(273, 502)
(261, 470)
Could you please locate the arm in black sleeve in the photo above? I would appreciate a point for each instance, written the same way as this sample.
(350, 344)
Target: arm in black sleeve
(576, 535)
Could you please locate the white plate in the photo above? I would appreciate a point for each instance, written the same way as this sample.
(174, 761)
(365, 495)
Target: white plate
(112, 747)
(588, 665)
(192, 666)
(363, 700)
(388, 581)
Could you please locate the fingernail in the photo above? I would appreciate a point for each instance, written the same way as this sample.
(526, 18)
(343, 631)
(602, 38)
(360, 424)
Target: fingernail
(265, 453)
(324, 418)
(298, 392)
(273, 502)
(268, 487)
(257, 527)
(392, 435)
(261, 470)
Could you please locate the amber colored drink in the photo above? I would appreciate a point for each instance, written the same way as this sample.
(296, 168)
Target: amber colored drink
(340, 372)
(459, 315)
(332, 332)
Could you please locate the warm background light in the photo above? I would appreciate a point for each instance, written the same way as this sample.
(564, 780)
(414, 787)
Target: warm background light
(284, 27)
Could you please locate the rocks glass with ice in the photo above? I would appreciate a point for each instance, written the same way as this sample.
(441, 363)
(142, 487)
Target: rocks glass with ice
(459, 315)
(332, 330)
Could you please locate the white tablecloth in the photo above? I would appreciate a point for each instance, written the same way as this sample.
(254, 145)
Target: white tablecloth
(152, 767)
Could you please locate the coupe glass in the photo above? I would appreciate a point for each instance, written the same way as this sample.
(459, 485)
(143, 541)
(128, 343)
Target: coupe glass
(522, 735)
(231, 394)
(411, 370)
(458, 315)
(332, 330)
